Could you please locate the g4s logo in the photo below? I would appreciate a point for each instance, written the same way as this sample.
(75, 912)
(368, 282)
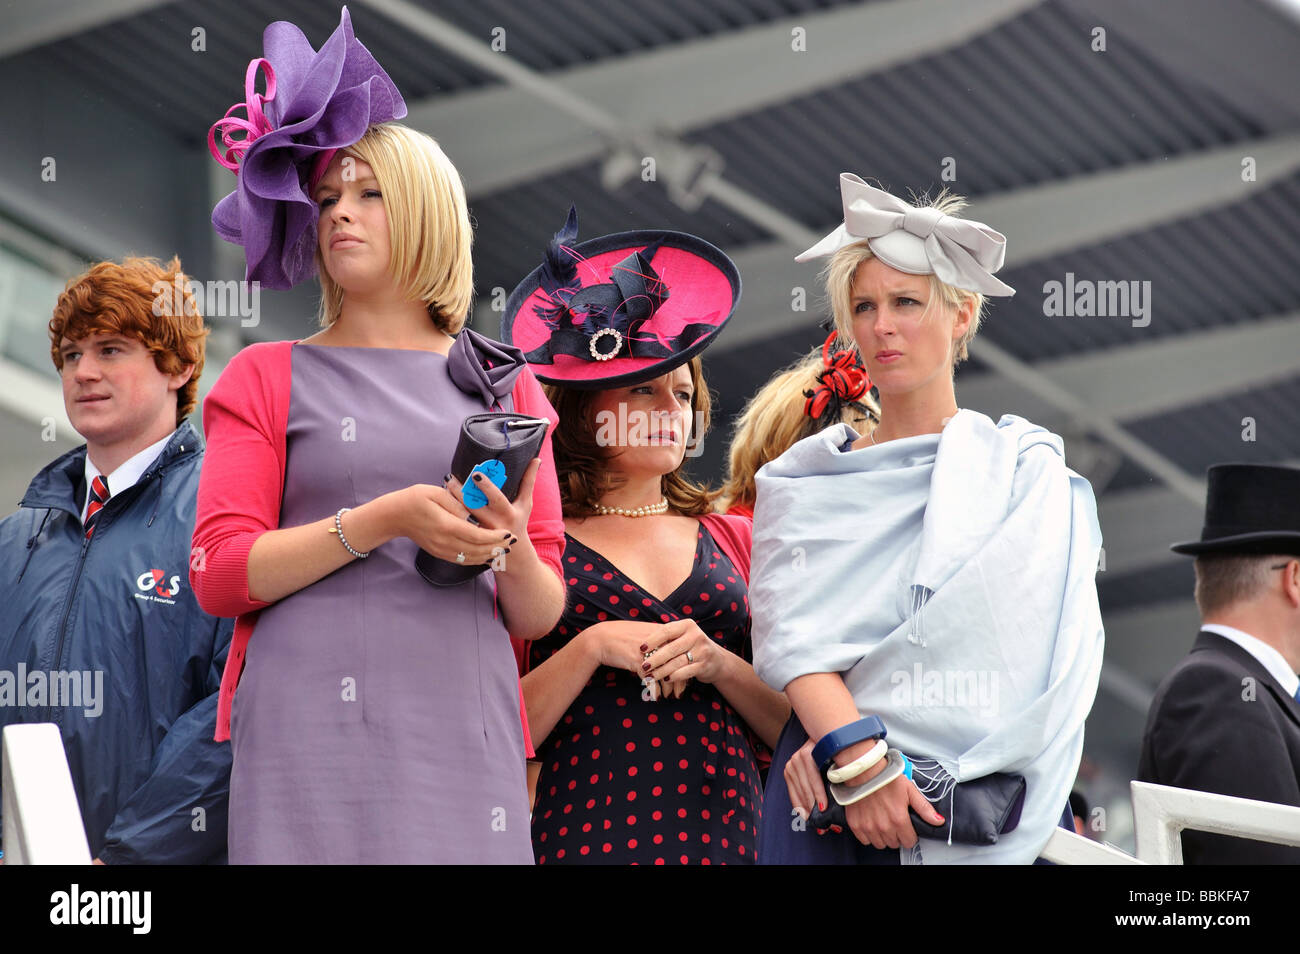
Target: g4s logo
(152, 579)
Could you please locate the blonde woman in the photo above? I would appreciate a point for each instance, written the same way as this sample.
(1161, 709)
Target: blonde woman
(377, 718)
(818, 391)
(924, 594)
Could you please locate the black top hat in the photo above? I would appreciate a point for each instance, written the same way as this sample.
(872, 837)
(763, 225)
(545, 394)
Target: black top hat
(1249, 508)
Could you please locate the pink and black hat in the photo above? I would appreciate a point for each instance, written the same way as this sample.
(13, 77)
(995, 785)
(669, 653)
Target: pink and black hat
(620, 309)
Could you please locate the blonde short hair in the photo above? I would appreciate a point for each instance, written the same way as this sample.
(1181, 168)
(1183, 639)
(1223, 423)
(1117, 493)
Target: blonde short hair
(840, 272)
(428, 224)
(774, 421)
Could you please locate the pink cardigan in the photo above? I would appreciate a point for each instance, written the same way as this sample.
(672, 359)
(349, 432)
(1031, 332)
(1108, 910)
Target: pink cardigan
(734, 533)
(240, 488)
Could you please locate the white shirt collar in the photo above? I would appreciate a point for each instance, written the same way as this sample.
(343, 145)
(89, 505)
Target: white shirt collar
(127, 473)
(1268, 657)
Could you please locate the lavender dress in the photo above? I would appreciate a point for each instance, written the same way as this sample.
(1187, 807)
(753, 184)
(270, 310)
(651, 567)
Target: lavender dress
(377, 719)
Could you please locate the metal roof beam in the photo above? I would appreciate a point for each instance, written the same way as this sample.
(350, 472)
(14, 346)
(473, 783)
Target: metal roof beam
(543, 122)
(1048, 219)
(1141, 380)
(1138, 526)
(31, 25)
(1244, 52)
(609, 118)
(1039, 221)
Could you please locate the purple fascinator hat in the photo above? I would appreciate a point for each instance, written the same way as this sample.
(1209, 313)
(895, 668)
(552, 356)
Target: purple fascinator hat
(316, 102)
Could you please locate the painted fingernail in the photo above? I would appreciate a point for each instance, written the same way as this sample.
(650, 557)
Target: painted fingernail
(942, 820)
(837, 829)
(666, 678)
(645, 667)
(478, 477)
(821, 806)
(446, 477)
(644, 647)
(506, 537)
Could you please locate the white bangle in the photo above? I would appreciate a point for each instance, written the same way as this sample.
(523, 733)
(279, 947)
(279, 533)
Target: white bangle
(847, 795)
(338, 528)
(842, 773)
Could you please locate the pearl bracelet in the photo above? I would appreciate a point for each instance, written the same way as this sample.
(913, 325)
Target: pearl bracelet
(338, 528)
(858, 765)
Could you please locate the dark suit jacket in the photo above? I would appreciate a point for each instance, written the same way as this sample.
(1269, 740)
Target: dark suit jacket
(1205, 732)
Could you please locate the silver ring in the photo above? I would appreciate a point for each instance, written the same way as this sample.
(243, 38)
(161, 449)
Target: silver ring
(460, 558)
(689, 657)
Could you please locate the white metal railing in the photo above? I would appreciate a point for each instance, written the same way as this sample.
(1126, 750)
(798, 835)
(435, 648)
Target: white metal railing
(1067, 848)
(42, 823)
(1162, 812)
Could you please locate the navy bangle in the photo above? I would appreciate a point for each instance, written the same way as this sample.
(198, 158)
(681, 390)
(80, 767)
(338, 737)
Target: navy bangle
(837, 740)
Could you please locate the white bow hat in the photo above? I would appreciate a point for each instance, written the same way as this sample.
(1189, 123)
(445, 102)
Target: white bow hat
(960, 252)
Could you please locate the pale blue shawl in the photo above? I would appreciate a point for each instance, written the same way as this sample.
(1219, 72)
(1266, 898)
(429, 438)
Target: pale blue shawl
(950, 579)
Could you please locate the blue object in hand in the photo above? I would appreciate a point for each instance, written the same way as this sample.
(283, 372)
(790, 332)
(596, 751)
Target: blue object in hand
(494, 470)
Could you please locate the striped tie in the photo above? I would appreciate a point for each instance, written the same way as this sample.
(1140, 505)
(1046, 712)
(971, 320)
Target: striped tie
(98, 497)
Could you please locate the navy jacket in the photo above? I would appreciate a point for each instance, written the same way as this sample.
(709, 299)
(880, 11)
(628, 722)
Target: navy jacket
(117, 611)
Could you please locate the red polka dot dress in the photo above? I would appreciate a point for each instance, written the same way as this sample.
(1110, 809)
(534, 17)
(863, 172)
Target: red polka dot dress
(628, 781)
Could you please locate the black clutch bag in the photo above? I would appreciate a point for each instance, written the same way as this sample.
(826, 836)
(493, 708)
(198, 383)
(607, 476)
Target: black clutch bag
(976, 812)
(513, 439)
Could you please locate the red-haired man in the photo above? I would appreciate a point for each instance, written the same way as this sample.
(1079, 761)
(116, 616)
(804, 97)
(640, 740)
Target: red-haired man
(100, 632)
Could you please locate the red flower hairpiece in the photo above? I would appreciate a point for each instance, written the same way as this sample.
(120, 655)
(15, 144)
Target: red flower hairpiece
(843, 379)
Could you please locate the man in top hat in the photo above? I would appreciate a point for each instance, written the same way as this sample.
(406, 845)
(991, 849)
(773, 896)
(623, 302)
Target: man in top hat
(1227, 719)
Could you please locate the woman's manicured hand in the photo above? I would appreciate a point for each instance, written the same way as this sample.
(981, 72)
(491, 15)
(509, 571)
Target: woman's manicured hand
(682, 652)
(881, 819)
(500, 513)
(436, 520)
(617, 643)
(804, 782)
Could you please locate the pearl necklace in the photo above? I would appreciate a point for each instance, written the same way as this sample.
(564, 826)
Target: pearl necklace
(650, 510)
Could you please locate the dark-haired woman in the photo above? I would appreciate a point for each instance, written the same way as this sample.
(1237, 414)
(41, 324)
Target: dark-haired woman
(643, 701)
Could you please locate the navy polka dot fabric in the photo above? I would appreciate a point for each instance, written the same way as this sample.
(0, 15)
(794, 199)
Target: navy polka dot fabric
(628, 781)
